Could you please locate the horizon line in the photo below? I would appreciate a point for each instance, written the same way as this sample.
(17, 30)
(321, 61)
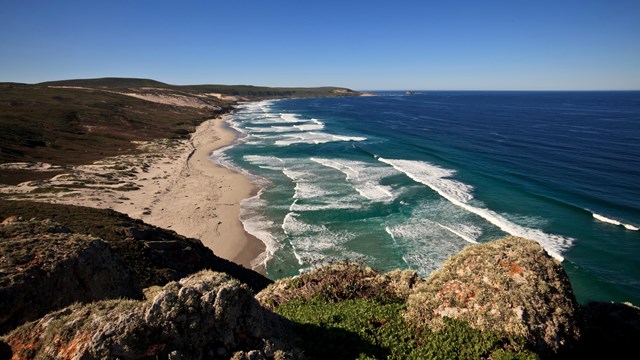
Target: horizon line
(504, 90)
(338, 86)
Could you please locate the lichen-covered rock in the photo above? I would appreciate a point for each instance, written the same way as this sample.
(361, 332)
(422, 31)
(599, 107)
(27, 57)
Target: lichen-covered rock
(509, 285)
(341, 281)
(44, 266)
(206, 315)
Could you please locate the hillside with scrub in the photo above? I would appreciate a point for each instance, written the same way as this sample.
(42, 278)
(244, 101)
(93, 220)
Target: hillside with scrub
(72, 122)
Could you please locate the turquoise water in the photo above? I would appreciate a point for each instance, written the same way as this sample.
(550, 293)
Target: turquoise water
(405, 181)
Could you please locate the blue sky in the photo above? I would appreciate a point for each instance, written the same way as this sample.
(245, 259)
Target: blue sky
(491, 45)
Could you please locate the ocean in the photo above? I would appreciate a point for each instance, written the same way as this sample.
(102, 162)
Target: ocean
(405, 181)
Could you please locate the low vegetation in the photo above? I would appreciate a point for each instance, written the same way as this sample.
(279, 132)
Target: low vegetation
(349, 311)
(367, 329)
(76, 122)
(71, 126)
(249, 92)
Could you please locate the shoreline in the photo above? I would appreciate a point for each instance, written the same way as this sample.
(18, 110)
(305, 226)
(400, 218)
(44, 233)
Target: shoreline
(213, 216)
(171, 184)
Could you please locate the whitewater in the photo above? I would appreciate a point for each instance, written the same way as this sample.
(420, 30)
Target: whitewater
(407, 181)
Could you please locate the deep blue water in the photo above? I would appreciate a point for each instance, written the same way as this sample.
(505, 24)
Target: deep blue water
(404, 181)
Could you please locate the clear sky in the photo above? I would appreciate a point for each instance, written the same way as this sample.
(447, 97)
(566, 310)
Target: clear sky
(445, 44)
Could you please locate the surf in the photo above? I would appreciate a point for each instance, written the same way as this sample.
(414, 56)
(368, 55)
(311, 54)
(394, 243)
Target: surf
(459, 194)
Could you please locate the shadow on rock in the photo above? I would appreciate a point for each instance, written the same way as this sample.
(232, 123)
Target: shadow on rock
(611, 331)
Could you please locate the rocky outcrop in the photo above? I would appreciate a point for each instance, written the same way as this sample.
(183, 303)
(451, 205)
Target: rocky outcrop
(45, 266)
(89, 254)
(155, 255)
(206, 315)
(509, 285)
(342, 281)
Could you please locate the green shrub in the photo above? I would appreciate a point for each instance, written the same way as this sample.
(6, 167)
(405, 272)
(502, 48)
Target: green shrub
(366, 329)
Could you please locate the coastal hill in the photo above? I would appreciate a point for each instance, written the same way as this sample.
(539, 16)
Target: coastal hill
(73, 122)
(249, 92)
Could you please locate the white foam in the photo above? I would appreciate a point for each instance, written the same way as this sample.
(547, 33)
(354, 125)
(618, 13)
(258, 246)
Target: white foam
(316, 197)
(262, 120)
(388, 230)
(296, 131)
(274, 119)
(310, 190)
(309, 127)
(257, 136)
(293, 226)
(461, 234)
(333, 205)
(272, 129)
(290, 117)
(220, 157)
(312, 242)
(285, 129)
(364, 177)
(316, 188)
(234, 125)
(259, 227)
(312, 137)
(614, 222)
(426, 246)
(294, 174)
(458, 193)
(264, 160)
(348, 138)
(434, 177)
(255, 106)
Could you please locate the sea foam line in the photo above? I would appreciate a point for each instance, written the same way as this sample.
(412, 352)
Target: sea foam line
(458, 194)
(459, 234)
(393, 237)
(287, 219)
(614, 222)
(362, 176)
(311, 242)
(312, 137)
(258, 227)
(422, 243)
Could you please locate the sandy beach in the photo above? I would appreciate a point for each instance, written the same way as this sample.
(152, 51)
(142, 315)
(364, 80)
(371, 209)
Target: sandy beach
(204, 201)
(171, 184)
